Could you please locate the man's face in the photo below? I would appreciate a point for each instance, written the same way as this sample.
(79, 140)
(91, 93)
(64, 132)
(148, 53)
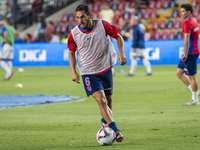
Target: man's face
(4, 23)
(133, 21)
(83, 19)
(184, 14)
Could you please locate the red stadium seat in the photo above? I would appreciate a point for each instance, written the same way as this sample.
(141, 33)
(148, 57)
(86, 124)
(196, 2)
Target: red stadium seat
(172, 35)
(175, 14)
(198, 22)
(65, 18)
(159, 4)
(101, 6)
(114, 6)
(155, 25)
(63, 28)
(96, 7)
(170, 24)
(95, 15)
(58, 28)
(165, 36)
(152, 4)
(177, 24)
(195, 3)
(90, 5)
(173, 3)
(127, 16)
(132, 14)
(165, 4)
(195, 12)
(72, 18)
(146, 15)
(152, 35)
(179, 35)
(140, 14)
(120, 6)
(126, 5)
(163, 24)
(157, 36)
(70, 27)
(153, 14)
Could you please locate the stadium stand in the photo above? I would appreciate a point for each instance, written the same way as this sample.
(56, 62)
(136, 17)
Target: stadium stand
(160, 17)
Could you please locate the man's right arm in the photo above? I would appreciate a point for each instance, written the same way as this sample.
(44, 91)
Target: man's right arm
(186, 33)
(72, 59)
(72, 62)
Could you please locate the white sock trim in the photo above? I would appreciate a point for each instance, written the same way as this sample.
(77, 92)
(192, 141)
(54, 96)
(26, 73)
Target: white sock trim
(195, 96)
(147, 65)
(190, 88)
(133, 66)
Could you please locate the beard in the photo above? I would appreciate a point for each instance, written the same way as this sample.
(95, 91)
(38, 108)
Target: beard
(86, 25)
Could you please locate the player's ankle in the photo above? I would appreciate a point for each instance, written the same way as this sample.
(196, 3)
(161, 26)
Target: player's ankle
(113, 126)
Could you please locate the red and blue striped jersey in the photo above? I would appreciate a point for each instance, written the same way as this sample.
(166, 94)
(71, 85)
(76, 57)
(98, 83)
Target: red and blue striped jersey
(191, 26)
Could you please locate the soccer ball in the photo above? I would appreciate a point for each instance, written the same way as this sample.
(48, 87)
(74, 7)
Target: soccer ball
(106, 136)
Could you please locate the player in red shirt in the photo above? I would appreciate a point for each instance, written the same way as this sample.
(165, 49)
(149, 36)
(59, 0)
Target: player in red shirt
(188, 62)
(89, 39)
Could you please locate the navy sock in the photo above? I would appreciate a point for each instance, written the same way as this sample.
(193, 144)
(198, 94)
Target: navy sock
(113, 126)
(103, 121)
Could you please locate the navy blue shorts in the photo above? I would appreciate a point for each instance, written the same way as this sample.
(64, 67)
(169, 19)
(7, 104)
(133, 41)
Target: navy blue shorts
(190, 65)
(94, 83)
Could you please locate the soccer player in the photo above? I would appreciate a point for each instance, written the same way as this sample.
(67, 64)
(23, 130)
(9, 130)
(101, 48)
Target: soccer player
(95, 54)
(8, 38)
(138, 48)
(188, 62)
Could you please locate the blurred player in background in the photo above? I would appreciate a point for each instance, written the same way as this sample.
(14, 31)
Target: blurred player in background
(8, 38)
(138, 47)
(188, 62)
(94, 59)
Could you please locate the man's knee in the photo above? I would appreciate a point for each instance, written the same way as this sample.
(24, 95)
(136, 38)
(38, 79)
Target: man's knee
(134, 57)
(179, 73)
(193, 77)
(101, 101)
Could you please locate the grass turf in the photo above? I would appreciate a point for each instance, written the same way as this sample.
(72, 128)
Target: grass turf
(148, 110)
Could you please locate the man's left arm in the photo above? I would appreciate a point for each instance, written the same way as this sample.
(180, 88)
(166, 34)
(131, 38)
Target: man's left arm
(120, 43)
(186, 46)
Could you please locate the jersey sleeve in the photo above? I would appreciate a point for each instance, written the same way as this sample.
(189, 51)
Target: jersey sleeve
(186, 28)
(3, 29)
(71, 43)
(110, 29)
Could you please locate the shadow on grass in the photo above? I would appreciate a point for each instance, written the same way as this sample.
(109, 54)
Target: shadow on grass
(115, 145)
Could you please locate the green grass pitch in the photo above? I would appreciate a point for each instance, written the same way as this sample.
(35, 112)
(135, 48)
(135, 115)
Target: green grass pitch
(148, 110)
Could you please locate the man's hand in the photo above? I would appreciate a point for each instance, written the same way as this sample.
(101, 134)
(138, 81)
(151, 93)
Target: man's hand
(184, 58)
(133, 50)
(75, 77)
(122, 59)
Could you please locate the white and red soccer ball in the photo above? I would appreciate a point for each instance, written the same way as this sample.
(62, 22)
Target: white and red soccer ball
(106, 136)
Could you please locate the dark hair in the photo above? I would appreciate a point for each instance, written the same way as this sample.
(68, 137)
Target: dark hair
(7, 20)
(51, 22)
(85, 8)
(54, 32)
(29, 35)
(42, 21)
(187, 7)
